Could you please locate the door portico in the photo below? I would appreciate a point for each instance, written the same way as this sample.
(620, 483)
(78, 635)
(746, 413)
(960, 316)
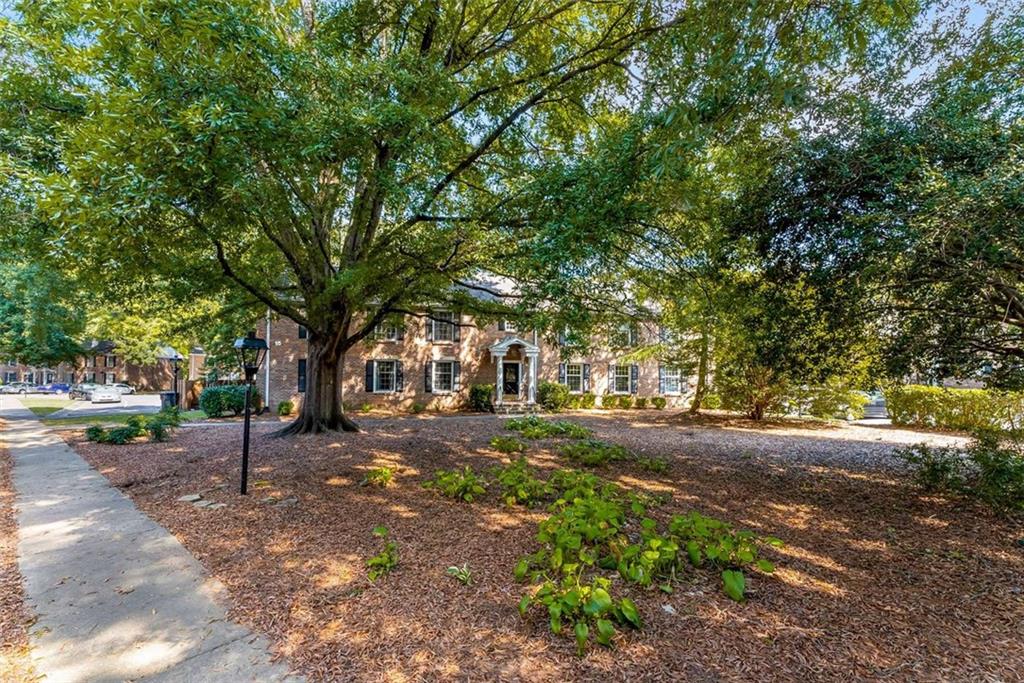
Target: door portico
(515, 379)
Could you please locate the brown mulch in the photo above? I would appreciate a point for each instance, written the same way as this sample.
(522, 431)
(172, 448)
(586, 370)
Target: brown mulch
(15, 663)
(877, 581)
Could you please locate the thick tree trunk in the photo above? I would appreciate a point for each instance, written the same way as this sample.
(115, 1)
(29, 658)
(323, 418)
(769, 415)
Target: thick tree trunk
(322, 407)
(702, 373)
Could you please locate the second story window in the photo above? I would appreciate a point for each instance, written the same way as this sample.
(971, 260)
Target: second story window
(110, 361)
(303, 332)
(389, 330)
(90, 361)
(442, 327)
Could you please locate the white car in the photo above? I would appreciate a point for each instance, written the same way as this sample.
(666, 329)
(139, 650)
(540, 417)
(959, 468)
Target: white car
(105, 394)
(124, 388)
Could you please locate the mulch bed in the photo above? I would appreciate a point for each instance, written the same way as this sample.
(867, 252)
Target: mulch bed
(877, 581)
(15, 664)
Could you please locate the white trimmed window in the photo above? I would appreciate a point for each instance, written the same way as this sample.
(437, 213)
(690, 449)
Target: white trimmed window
(387, 331)
(444, 376)
(10, 377)
(442, 326)
(110, 361)
(90, 377)
(574, 377)
(620, 379)
(384, 376)
(109, 378)
(90, 361)
(671, 380)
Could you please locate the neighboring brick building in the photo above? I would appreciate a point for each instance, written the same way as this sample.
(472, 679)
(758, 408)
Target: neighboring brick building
(13, 371)
(434, 362)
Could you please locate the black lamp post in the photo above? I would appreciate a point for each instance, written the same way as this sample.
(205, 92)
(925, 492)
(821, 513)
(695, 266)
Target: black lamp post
(169, 354)
(251, 350)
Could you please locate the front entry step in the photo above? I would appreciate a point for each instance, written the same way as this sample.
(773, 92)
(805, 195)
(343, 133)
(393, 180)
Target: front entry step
(516, 408)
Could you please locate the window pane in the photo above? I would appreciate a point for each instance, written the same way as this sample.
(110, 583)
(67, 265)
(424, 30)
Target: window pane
(672, 380)
(574, 377)
(385, 375)
(622, 379)
(443, 331)
(443, 376)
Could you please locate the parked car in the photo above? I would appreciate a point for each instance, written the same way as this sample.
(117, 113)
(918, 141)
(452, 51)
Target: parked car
(53, 388)
(106, 393)
(17, 388)
(124, 388)
(82, 391)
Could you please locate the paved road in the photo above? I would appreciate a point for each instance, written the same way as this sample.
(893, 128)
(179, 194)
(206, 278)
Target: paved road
(117, 597)
(134, 403)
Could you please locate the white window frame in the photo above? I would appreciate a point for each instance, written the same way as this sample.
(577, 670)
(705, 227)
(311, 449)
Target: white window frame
(435, 366)
(386, 331)
(110, 361)
(667, 372)
(90, 361)
(109, 378)
(510, 326)
(569, 377)
(614, 379)
(447, 322)
(10, 376)
(90, 378)
(376, 376)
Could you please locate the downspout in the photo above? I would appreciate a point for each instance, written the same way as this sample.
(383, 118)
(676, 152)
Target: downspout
(266, 367)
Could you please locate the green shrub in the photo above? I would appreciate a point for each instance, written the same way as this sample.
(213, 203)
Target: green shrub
(121, 435)
(418, 408)
(95, 433)
(625, 401)
(712, 401)
(836, 400)
(533, 427)
(382, 564)
(609, 401)
(519, 486)
(553, 396)
(586, 400)
(659, 402)
(227, 398)
(480, 397)
(962, 409)
(990, 469)
(365, 407)
(159, 428)
(507, 444)
(641, 402)
(378, 476)
(461, 485)
(285, 408)
(594, 453)
(171, 415)
(655, 465)
(754, 390)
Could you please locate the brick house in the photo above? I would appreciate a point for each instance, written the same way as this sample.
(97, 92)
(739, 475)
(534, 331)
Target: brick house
(434, 360)
(11, 370)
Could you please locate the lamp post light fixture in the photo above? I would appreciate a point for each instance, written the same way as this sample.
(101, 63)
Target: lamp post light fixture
(251, 351)
(169, 354)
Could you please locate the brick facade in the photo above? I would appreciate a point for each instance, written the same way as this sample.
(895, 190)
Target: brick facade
(414, 350)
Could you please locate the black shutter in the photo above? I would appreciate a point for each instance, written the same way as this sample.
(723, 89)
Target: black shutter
(399, 377)
(586, 377)
(501, 325)
(611, 378)
(369, 376)
(428, 377)
(303, 333)
(661, 379)
(634, 378)
(430, 327)
(561, 373)
(400, 323)
(456, 328)
(561, 338)
(456, 370)
(302, 375)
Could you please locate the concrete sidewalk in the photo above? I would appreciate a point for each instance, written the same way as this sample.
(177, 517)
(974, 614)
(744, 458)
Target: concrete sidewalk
(118, 598)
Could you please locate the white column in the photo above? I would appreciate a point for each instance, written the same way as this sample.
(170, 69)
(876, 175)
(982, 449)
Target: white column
(499, 386)
(531, 397)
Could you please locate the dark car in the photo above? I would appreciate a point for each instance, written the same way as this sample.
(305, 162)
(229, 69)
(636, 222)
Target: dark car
(82, 391)
(54, 388)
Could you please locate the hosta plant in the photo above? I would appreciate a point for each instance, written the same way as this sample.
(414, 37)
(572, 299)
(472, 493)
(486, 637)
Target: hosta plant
(461, 574)
(382, 564)
(461, 485)
(508, 444)
(519, 486)
(378, 476)
(594, 453)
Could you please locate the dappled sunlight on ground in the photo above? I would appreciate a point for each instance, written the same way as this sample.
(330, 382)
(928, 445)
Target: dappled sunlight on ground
(876, 580)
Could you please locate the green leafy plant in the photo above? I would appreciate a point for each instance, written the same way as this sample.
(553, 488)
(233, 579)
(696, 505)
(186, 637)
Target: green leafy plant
(365, 407)
(609, 401)
(594, 453)
(519, 486)
(418, 408)
(159, 428)
(121, 435)
(461, 574)
(382, 564)
(461, 485)
(948, 408)
(480, 397)
(936, 468)
(533, 427)
(137, 423)
(379, 477)
(552, 396)
(223, 398)
(95, 433)
(655, 465)
(659, 402)
(625, 402)
(285, 408)
(641, 402)
(508, 444)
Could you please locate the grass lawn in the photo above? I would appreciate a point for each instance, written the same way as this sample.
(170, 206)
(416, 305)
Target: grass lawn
(117, 419)
(876, 580)
(44, 405)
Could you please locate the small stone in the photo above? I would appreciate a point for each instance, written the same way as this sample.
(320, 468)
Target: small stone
(202, 503)
(269, 499)
(191, 498)
(287, 502)
(216, 506)
(669, 609)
